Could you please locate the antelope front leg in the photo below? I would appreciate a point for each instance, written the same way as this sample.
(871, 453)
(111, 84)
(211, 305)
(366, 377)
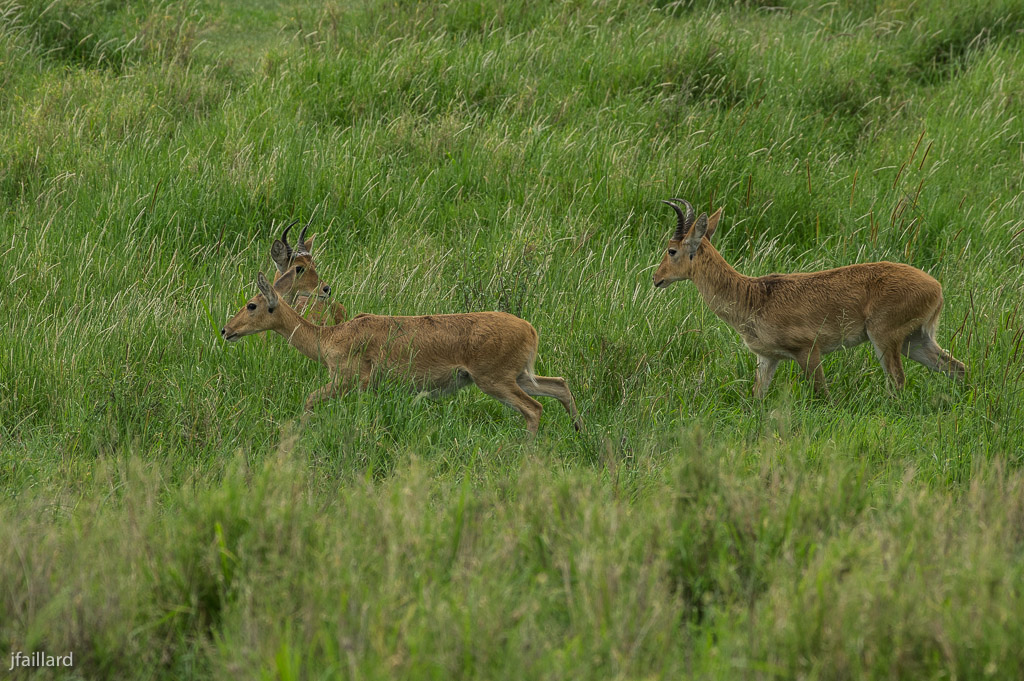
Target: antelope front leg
(339, 385)
(320, 394)
(765, 370)
(810, 361)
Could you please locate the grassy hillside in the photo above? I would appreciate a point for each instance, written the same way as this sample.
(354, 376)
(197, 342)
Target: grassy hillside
(167, 513)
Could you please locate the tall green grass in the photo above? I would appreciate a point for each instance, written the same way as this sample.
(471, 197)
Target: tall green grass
(167, 512)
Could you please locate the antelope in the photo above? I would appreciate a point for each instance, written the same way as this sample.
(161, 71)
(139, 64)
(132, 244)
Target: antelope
(307, 293)
(438, 354)
(802, 316)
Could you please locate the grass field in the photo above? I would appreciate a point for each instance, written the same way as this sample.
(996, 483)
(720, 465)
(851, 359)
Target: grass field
(166, 512)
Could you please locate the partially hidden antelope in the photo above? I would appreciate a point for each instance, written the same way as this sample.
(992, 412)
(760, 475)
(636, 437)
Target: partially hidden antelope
(437, 354)
(307, 294)
(805, 315)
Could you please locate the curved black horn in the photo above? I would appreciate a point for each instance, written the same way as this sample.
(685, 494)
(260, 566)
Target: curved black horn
(302, 239)
(284, 236)
(679, 212)
(691, 215)
(682, 223)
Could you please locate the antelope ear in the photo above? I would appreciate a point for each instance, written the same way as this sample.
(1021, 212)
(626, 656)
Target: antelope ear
(267, 290)
(713, 223)
(279, 254)
(700, 228)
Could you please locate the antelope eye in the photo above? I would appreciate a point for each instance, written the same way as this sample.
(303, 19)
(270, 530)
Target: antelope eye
(672, 252)
(250, 307)
(300, 270)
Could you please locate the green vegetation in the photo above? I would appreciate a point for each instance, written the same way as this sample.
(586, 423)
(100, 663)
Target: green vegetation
(165, 510)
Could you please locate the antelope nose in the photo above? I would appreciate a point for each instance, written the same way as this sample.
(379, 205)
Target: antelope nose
(222, 332)
(327, 290)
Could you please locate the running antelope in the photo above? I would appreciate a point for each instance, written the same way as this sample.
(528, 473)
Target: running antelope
(438, 354)
(307, 293)
(805, 315)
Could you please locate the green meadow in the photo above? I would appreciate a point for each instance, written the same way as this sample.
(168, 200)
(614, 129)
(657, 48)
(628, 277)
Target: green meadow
(166, 510)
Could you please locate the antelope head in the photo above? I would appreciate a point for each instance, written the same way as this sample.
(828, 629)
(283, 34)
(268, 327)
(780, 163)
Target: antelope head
(259, 313)
(299, 259)
(683, 256)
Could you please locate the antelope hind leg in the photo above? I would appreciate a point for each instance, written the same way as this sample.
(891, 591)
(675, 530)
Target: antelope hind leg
(552, 386)
(509, 393)
(923, 349)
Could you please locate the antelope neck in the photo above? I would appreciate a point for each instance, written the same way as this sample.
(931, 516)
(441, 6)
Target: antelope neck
(301, 334)
(729, 294)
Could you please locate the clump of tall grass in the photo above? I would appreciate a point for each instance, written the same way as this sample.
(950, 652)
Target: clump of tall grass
(795, 568)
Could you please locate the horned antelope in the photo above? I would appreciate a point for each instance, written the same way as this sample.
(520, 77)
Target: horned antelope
(439, 354)
(307, 293)
(805, 315)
